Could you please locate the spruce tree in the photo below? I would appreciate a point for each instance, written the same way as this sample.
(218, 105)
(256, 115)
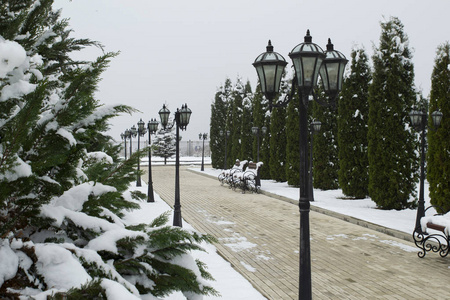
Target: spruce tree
(353, 115)
(227, 98)
(164, 144)
(393, 163)
(439, 141)
(63, 189)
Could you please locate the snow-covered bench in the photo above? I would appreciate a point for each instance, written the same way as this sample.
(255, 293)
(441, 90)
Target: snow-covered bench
(434, 235)
(226, 176)
(250, 179)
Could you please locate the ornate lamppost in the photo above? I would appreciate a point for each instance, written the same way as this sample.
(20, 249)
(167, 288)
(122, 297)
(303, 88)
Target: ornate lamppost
(152, 126)
(226, 135)
(131, 134)
(203, 137)
(419, 120)
(309, 60)
(181, 121)
(314, 129)
(140, 132)
(258, 132)
(124, 137)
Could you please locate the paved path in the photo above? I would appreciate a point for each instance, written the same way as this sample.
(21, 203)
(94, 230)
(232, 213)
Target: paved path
(259, 236)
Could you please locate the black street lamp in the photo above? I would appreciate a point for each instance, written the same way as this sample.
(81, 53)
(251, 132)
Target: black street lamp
(152, 126)
(131, 134)
(123, 136)
(227, 135)
(258, 132)
(314, 129)
(203, 137)
(181, 120)
(308, 60)
(419, 120)
(140, 132)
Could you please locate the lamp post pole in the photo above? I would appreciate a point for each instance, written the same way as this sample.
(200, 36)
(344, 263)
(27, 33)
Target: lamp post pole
(124, 137)
(314, 129)
(140, 132)
(203, 137)
(258, 132)
(132, 133)
(419, 120)
(152, 126)
(309, 60)
(181, 121)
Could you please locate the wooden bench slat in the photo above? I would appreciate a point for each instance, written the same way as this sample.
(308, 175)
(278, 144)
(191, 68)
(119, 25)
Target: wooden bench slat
(436, 227)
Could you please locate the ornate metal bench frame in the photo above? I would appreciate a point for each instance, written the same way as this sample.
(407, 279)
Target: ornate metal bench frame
(434, 242)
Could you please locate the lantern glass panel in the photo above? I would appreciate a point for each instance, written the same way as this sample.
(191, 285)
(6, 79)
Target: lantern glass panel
(436, 116)
(416, 118)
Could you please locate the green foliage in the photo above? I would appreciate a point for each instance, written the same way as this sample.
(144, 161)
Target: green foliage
(325, 148)
(235, 126)
(278, 144)
(353, 115)
(246, 151)
(261, 117)
(439, 141)
(61, 183)
(392, 159)
(164, 144)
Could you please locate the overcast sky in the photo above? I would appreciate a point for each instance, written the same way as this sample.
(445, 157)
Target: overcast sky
(181, 51)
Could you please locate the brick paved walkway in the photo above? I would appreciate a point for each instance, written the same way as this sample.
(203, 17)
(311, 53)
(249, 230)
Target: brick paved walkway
(259, 236)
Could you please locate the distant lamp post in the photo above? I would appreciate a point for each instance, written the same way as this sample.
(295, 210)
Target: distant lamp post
(132, 133)
(140, 132)
(226, 135)
(203, 137)
(182, 117)
(419, 120)
(123, 136)
(152, 126)
(258, 132)
(314, 129)
(308, 60)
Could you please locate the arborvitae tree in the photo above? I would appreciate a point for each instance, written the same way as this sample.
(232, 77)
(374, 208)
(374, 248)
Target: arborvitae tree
(353, 115)
(236, 106)
(164, 144)
(278, 144)
(217, 124)
(246, 125)
(261, 117)
(439, 141)
(62, 186)
(325, 148)
(227, 98)
(393, 163)
(293, 142)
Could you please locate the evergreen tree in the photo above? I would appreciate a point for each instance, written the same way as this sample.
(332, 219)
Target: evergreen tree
(246, 126)
(325, 148)
(217, 124)
(353, 112)
(164, 144)
(393, 163)
(227, 98)
(278, 144)
(439, 141)
(293, 142)
(261, 118)
(63, 190)
(236, 107)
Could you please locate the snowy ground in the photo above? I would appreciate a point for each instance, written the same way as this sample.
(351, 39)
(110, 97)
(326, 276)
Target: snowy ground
(230, 283)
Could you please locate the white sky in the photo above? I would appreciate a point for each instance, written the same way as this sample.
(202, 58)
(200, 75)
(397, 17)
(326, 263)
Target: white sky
(180, 51)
